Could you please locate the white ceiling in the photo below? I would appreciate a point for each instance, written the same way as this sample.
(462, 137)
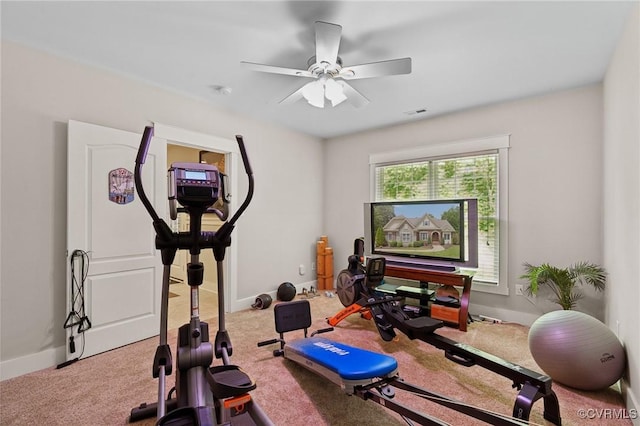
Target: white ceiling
(465, 54)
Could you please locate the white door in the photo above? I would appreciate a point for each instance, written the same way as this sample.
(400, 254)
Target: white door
(122, 287)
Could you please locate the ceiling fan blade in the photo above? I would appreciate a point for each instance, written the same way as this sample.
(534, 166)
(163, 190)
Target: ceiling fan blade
(277, 70)
(294, 97)
(377, 69)
(354, 97)
(327, 42)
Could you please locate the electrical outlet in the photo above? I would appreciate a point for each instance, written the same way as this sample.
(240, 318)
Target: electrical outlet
(301, 269)
(519, 290)
(313, 266)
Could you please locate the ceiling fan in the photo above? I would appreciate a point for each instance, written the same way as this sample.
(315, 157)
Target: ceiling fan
(329, 74)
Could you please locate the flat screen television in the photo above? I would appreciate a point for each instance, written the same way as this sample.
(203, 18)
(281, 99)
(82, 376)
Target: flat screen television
(431, 234)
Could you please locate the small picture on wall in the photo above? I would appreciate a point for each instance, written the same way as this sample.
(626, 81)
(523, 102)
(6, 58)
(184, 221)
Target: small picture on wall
(121, 186)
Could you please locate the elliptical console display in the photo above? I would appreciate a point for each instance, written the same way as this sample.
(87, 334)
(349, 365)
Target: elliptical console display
(194, 184)
(197, 185)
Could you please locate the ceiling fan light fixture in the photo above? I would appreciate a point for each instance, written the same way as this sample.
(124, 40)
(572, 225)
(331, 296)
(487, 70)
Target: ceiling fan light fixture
(314, 93)
(324, 87)
(334, 91)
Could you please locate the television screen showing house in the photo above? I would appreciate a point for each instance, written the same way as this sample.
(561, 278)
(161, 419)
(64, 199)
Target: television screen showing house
(418, 229)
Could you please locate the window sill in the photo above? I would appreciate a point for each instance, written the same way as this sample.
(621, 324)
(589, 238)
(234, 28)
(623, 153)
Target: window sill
(489, 287)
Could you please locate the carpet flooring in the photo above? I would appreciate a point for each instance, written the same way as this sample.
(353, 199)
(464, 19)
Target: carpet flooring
(102, 389)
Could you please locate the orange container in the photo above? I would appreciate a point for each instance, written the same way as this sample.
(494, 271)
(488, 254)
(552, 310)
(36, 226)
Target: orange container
(325, 282)
(320, 282)
(328, 261)
(328, 283)
(324, 264)
(320, 264)
(445, 313)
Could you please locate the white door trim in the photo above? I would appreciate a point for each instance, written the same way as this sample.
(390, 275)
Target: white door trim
(192, 139)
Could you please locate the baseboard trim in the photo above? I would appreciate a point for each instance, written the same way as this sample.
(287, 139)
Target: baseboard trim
(246, 303)
(29, 363)
(505, 315)
(631, 402)
(51, 357)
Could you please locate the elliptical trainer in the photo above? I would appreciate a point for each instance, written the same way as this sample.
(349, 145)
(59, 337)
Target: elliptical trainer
(204, 395)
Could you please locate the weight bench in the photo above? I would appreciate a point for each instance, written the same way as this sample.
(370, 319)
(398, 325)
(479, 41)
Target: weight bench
(346, 366)
(363, 373)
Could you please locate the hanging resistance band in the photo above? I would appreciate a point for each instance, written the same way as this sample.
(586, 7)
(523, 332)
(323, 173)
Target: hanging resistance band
(77, 315)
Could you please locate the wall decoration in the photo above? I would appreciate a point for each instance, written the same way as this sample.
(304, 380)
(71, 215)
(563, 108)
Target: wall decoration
(121, 186)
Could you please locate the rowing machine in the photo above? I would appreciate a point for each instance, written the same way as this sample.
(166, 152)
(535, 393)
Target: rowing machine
(366, 374)
(359, 283)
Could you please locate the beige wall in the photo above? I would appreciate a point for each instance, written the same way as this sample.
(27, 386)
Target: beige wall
(621, 201)
(40, 93)
(556, 199)
(555, 184)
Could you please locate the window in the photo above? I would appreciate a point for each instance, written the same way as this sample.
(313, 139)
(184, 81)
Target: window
(457, 170)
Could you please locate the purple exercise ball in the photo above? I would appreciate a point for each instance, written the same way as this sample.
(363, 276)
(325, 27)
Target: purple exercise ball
(576, 350)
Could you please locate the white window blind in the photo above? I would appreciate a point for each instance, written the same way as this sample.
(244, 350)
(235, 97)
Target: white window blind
(459, 176)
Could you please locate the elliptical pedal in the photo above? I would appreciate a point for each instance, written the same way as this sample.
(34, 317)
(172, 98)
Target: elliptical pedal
(227, 381)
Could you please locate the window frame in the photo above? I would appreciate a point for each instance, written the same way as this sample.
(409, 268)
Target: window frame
(499, 144)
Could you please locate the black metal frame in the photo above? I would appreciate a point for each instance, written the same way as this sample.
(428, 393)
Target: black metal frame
(388, 315)
(296, 315)
(205, 394)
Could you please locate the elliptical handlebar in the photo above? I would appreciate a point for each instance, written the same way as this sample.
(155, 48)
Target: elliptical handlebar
(144, 145)
(140, 159)
(223, 234)
(247, 169)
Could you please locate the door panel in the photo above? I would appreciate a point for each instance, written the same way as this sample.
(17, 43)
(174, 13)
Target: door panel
(109, 308)
(108, 242)
(123, 281)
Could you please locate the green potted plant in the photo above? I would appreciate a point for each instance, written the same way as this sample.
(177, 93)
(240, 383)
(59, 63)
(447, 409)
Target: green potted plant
(564, 282)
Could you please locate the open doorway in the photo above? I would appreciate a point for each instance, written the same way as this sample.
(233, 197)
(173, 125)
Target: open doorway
(179, 291)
